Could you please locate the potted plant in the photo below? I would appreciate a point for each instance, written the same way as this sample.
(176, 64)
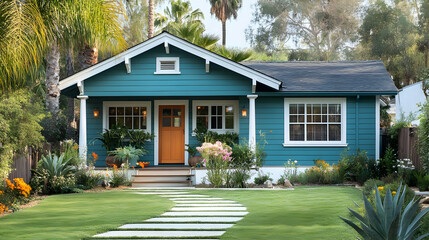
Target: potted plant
(193, 159)
(112, 139)
(127, 154)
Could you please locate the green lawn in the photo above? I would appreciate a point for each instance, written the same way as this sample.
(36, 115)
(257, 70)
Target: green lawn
(305, 213)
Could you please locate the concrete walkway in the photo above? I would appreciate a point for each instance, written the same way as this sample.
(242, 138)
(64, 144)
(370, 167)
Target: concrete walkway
(194, 216)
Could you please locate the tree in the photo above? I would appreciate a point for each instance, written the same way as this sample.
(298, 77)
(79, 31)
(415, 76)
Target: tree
(224, 10)
(194, 33)
(325, 27)
(179, 13)
(151, 19)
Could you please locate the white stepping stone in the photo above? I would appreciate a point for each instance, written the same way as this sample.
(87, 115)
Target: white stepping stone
(209, 205)
(195, 198)
(164, 193)
(209, 209)
(195, 219)
(199, 226)
(190, 214)
(202, 201)
(161, 234)
(184, 196)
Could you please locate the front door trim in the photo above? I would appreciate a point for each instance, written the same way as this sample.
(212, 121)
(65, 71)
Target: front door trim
(156, 125)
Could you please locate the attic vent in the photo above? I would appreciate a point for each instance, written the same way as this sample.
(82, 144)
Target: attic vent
(167, 65)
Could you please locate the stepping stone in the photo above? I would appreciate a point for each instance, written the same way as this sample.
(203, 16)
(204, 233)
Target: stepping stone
(161, 234)
(183, 196)
(209, 209)
(202, 201)
(190, 214)
(195, 198)
(173, 193)
(209, 205)
(191, 226)
(195, 219)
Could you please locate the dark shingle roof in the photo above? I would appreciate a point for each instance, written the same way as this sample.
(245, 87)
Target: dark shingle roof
(341, 76)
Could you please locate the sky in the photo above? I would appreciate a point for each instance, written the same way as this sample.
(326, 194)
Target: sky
(235, 36)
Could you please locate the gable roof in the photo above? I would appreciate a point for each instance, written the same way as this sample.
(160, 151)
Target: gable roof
(338, 76)
(166, 39)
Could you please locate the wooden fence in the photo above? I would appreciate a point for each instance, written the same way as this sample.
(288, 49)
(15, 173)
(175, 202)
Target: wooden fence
(408, 146)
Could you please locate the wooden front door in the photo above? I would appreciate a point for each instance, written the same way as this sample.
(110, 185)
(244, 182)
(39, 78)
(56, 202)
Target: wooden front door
(172, 134)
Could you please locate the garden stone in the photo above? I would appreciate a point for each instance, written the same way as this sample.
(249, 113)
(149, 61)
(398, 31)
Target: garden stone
(425, 200)
(288, 184)
(268, 184)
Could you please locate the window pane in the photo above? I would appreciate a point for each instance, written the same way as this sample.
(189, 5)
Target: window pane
(203, 122)
(129, 122)
(177, 121)
(143, 111)
(317, 118)
(120, 121)
(296, 132)
(112, 111)
(136, 111)
(334, 108)
(136, 122)
(317, 132)
(120, 111)
(112, 122)
(213, 110)
(309, 118)
(128, 111)
(229, 122)
(293, 109)
(166, 121)
(324, 118)
(301, 108)
(166, 112)
(219, 110)
(301, 118)
(229, 110)
(317, 109)
(309, 109)
(219, 122)
(335, 118)
(177, 112)
(293, 118)
(202, 110)
(335, 132)
(143, 123)
(214, 123)
(324, 108)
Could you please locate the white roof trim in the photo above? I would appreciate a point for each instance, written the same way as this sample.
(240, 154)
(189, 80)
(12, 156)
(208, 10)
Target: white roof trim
(179, 43)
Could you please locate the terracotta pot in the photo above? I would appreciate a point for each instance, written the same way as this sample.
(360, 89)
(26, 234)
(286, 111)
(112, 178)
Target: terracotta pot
(110, 160)
(193, 161)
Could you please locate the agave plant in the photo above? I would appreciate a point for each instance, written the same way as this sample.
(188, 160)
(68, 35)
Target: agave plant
(386, 221)
(56, 166)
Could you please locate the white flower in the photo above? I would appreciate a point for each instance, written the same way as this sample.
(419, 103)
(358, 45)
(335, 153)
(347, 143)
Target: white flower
(296, 161)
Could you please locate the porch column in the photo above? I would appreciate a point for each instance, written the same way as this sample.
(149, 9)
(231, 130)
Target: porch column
(82, 127)
(252, 121)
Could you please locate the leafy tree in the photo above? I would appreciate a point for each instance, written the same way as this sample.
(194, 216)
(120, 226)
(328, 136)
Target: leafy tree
(325, 27)
(179, 13)
(224, 10)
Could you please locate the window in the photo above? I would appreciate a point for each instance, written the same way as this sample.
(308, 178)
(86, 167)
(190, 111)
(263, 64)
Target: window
(167, 65)
(315, 121)
(133, 115)
(219, 116)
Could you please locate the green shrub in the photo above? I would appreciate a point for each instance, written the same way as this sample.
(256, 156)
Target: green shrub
(423, 137)
(323, 173)
(370, 185)
(388, 164)
(119, 177)
(216, 158)
(127, 154)
(262, 178)
(291, 171)
(389, 219)
(55, 166)
(204, 135)
(86, 178)
(71, 151)
(120, 136)
(237, 178)
(357, 167)
(422, 182)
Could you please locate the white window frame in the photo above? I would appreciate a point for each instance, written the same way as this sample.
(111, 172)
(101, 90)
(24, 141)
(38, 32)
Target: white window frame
(209, 103)
(289, 143)
(176, 65)
(147, 104)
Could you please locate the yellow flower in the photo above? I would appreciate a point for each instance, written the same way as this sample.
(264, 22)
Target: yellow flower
(380, 188)
(75, 146)
(1, 192)
(393, 193)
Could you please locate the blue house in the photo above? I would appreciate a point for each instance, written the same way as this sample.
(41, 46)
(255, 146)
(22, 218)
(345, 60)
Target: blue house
(168, 86)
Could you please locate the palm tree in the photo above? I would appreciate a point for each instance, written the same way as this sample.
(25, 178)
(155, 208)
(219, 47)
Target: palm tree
(179, 13)
(22, 40)
(224, 10)
(194, 33)
(150, 18)
(236, 55)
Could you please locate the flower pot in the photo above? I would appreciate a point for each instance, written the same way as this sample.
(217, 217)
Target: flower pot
(193, 161)
(110, 161)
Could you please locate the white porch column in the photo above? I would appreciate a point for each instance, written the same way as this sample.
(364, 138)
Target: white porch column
(377, 127)
(252, 121)
(82, 127)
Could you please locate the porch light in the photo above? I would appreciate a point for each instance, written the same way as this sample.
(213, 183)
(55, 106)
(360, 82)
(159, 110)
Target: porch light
(96, 113)
(244, 112)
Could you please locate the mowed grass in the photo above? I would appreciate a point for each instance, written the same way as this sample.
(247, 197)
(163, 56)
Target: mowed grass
(304, 213)
(76, 216)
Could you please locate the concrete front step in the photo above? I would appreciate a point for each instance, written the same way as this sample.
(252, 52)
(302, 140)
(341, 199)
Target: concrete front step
(206, 214)
(184, 226)
(160, 234)
(195, 219)
(164, 171)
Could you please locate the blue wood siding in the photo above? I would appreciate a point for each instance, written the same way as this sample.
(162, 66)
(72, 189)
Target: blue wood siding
(193, 80)
(270, 121)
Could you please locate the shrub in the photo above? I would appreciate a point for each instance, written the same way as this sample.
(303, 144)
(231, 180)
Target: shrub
(119, 136)
(423, 137)
(422, 182)
(71, 151)
(125, 154)
(323, 173)
(55, 166)
(237, 178)
(13, 194)
(119, 177)
(291, 171)
(370, 185)
(87, 178)
(204, 135)
(357, 167)
(388, 164)
(388, 220)
(262, 178)
(216, 158)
